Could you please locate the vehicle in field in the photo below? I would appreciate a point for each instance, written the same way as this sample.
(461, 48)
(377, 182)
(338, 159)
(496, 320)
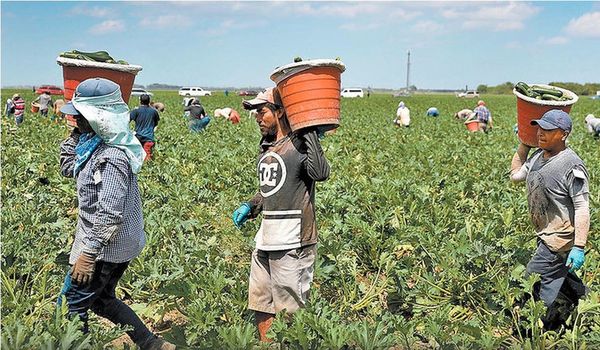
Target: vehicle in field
(248, 93)
(352, 92)
(469, 94)
(193, 91)
(595, 97)
(50, 89)
(140, 92)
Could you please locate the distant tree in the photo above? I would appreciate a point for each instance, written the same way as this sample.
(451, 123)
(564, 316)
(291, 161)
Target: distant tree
(412, 88)
(482, 88)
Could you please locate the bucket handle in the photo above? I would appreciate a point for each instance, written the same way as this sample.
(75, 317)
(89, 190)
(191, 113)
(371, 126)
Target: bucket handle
(288, 72)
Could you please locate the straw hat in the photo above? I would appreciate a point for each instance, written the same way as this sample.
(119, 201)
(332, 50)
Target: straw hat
(16, 96)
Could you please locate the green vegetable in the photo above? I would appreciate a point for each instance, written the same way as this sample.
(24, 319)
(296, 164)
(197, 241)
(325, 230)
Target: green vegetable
(550, 97)
(548, 91)
(298, 59)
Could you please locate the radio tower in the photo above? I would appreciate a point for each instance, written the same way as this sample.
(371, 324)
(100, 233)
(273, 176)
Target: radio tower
(408, 72)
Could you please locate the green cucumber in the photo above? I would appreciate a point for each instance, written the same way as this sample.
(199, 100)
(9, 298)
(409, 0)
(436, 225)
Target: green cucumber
(548, 91)
(549, 97)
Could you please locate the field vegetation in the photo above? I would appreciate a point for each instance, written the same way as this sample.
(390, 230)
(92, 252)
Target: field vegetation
(423, 240)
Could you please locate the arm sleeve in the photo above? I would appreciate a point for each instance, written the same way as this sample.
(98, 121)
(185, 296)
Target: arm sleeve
(68, 155)
(316, 164)
(579, 192)
(256, 204)
(114, 173)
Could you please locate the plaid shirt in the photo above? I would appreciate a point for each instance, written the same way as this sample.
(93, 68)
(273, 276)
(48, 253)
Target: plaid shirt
(483, 114)
(110, 225)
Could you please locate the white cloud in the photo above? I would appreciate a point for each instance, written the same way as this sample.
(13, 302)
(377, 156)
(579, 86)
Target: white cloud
(427, 26)
(587, 25)
(354, 27)
(166, 21)
(108, 26)
(503, 17)
(95, 11)
(556, 40)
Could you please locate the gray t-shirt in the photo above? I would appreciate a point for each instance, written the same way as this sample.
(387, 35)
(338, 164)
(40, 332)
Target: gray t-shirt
(45, 101)
(551, 186)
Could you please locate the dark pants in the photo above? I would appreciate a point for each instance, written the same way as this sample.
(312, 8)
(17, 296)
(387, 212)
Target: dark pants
(99, 295)
(559, 289)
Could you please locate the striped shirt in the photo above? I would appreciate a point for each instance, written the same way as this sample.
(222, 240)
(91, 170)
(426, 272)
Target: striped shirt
(110, 225)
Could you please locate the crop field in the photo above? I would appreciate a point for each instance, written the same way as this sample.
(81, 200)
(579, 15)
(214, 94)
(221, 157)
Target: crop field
(423, 239)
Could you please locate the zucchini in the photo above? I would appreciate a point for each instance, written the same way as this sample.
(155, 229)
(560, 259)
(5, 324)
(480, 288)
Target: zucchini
(549, 97)
(547, 91)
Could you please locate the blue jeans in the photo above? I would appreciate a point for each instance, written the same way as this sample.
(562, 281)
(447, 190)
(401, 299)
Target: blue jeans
(197, 125)
(99, 295)
(19, 119)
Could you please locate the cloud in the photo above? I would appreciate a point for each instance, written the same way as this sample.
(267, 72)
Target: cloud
(587, 26)
(108, 26)
(427, 26)
(354, 27)
(95, 11)
(167, 21)
(503, 17)
(556, 40)
(226, 26)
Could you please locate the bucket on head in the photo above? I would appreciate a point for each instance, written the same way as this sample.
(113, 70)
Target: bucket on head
(472, 125)
(76, 71)
(35, 107)
(529, 109)
(310, 92)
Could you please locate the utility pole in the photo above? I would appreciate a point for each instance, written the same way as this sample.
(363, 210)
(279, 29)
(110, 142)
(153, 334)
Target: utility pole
(408, 72)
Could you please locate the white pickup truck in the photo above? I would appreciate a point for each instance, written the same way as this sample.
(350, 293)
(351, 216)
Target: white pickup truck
(469, 94)
(193, 91)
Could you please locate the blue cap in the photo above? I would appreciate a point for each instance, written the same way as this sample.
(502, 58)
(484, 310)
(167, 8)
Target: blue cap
(69, 109)
(554, 119)
(95, 87)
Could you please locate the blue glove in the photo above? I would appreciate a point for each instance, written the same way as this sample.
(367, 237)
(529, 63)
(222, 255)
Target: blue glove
(241, 214)
(575, 259)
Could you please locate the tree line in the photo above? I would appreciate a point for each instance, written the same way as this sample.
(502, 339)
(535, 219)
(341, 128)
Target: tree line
(586, 89)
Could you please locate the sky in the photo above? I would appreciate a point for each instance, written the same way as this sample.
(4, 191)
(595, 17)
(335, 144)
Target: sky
(239, 43)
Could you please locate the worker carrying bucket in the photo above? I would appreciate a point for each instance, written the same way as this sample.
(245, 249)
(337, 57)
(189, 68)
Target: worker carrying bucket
(290, 163)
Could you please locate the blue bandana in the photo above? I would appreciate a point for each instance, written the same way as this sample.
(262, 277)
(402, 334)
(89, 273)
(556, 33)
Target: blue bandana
(84, 149)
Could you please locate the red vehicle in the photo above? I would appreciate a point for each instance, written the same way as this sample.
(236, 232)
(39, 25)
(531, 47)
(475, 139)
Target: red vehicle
(50, 89)
(247, 93)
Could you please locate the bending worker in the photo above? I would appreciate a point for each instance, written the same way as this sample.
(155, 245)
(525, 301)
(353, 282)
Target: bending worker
(484, 116)
(289, 164)
(146, 120)
(558, 198)
(402, 115)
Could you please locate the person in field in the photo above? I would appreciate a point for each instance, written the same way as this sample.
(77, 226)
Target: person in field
(19, 113)
(592, 125)
(146, 121)
(104, 158)
(289, 165)
(159, 106)
(9, 108)
(432, 112)
(56, 106)
(484, 116)
(198, 119)
(228, 113)
(558, 197)
(402, 115)
(464, 114)
(45, 101)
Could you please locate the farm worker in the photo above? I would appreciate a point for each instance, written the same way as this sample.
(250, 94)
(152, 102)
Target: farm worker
(289, 164)
(146, 121)
(593, 125)
(228, 113)
(57, 105)
(483, 116)
(19, 108)
(433, 112)
(402, 115)
(9, 108)
(198, 118)
(558, 198)
(45, 100)
(159, 106)
(104, 157)
(463, 114)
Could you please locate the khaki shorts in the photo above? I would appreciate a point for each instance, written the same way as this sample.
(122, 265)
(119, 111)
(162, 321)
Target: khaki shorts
(281, 279)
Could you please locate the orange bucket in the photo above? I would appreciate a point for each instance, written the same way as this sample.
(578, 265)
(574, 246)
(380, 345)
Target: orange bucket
(35, 107)
(310, 92)
(472, 125)
(76, 71)
(529, 109)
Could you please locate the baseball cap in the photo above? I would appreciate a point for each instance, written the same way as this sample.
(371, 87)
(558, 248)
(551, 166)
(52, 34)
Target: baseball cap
(95, 87)
(554, 119)
(260, 99)
(69, 109)
(481, 103)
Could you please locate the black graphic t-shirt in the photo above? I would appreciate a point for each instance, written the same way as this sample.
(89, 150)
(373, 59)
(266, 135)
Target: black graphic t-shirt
(287, 171)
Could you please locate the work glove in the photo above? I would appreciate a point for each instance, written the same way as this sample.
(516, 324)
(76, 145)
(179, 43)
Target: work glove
(83, 270)
(241, 214)
(575, 259)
